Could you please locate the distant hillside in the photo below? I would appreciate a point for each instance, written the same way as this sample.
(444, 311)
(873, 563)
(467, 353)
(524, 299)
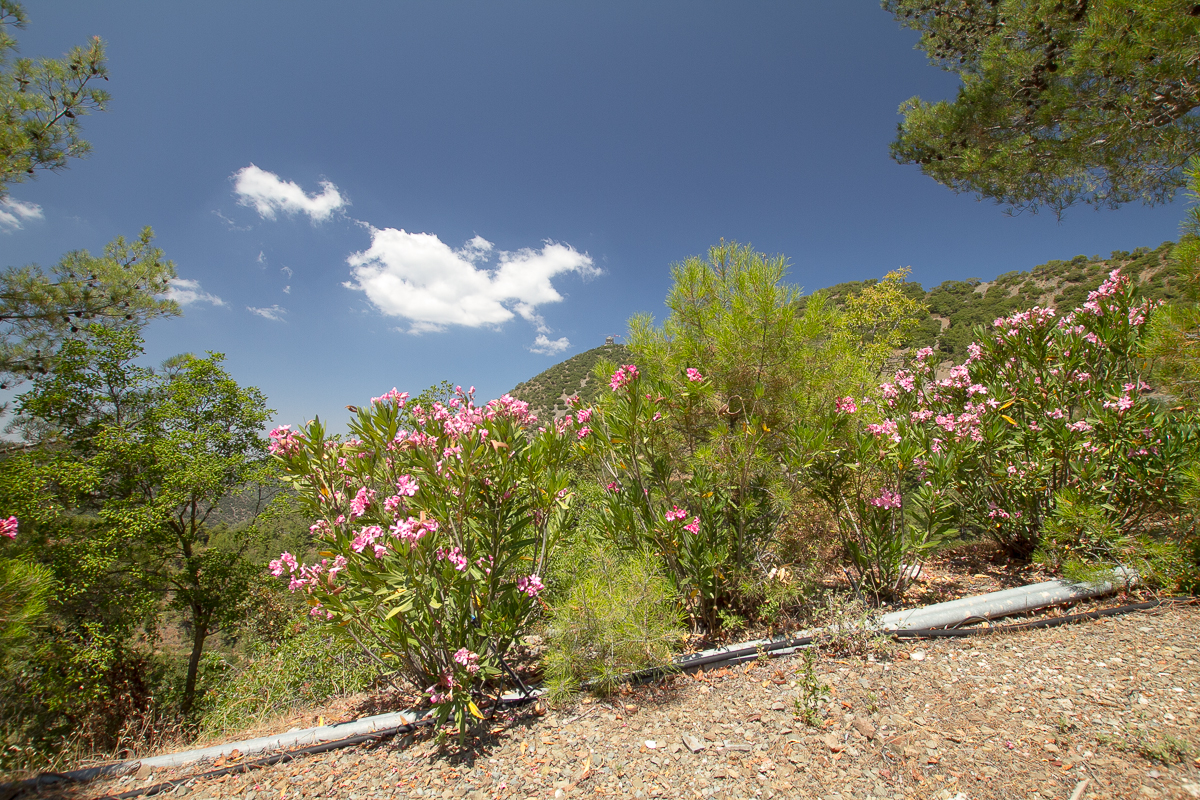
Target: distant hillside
(547, 392)
(955, 308)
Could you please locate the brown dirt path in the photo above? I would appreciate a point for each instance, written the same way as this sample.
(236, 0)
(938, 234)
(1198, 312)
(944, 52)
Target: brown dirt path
(1114, 702)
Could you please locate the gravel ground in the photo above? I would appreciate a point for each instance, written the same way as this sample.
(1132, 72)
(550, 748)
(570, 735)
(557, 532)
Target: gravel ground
(1112, 702)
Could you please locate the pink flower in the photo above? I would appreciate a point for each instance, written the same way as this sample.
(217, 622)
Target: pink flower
(886, 499)
(887, 428)
(613, 487)
(467, 659)
(530, 585)
(623, 376)
(8, 527)
(285, 561)
(583, 432)
(454, 556)
(924, 353)
(399, 398)
(694, 375)
(583, 415)
(693, 526)
(366, 536)
(413, 529)
(406, 485)
(284, 441)
(846, 405)
(358, 506)
(676, 513)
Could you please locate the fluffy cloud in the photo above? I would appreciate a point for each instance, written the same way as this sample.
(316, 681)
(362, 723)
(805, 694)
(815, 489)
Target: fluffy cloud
(14, 212)
(543, 345)
(417, 277)
(185, 292)
(267, 193)
(273, 313)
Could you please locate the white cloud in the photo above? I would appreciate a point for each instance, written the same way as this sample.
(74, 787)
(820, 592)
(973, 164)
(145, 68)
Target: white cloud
(286, 271)
(273, 313)
(13, 212)
(262, 258)
(267, 193)
(287, 290)
(419, 278)
(543, 345)
(185, 292)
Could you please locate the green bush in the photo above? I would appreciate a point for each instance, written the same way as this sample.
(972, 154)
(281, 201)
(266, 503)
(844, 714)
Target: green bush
(620, 615)
(306, 669)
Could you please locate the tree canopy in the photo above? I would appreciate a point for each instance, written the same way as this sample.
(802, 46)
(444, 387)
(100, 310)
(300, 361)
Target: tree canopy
(41, 102)
(1061, 102)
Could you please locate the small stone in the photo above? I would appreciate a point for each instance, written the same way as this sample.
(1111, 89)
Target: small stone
(917, 655)
(833, 743)
(778, 706)
(651, 744)
(864, 726)
(692, 743)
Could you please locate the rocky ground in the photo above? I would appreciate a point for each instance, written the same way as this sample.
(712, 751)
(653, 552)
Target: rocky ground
(1111, 704)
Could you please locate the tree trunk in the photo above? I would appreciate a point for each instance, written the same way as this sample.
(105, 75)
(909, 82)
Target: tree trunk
(199, 634)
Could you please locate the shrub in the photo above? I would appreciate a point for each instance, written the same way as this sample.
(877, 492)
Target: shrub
(620, 615)
(435, 524)
(1045, 408)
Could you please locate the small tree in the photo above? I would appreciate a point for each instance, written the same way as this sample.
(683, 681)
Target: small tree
(141, 461)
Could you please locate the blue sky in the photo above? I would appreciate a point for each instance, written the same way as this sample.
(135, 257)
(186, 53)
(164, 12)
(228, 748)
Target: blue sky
(367, 195)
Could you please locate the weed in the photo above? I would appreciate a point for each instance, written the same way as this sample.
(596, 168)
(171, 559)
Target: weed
(851, 629)
(812, 691)
(1166, 750)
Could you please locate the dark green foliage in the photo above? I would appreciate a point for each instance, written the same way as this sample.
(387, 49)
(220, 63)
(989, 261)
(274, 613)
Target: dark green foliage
(1059, 103)
(544, 392)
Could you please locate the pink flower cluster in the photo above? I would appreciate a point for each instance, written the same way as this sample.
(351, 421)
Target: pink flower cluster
(846, 405)
(368, 537)
(623, 376)
(8, 527)
(886, 499)
(306, 575)
(406, 485)
(284, 441)
(530, 585)
(412, 529)
(399, 398)
(887, 428)
(694, 375)
(454, 555)
(361, 502)
(467, 659)
(676, 513)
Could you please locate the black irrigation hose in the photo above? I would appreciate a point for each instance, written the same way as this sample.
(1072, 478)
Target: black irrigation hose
(642, 676)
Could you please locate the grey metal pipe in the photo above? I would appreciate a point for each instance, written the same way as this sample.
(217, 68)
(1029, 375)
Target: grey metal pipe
(1004, 603)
